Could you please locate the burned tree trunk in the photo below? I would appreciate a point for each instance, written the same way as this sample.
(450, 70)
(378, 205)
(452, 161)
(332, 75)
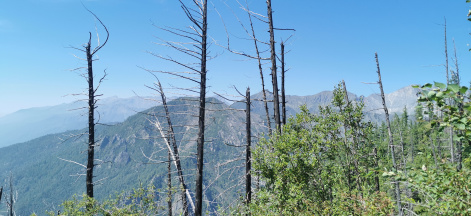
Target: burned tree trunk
(265, 102)
(169, 184)
(91, 120)
(274, 77)
(172, 144)
(283, 100)
(92, 105)
(391, 142)
(375, 154)
(201, 118)
(248, 157)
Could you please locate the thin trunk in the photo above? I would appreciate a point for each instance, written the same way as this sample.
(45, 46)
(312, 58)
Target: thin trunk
(391, 142)
(457, 77)
(1, 192)
(430, 111)
(274, 77)
(412, 143)
(265, 102)
(458, 156)
(283, 100)
(375, 153)
(449, 101)
(248, 157)
(201, 118)
(402, 150)
(452, 147)
(176, 155)
(439, 147)
(446, 58)
(354, 143)
(91, 121)
(433, 152)
(169, 184)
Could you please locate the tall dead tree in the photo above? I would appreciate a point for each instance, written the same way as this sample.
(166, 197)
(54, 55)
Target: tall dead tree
(283, 99)
(169, 184)
(276, 99)
(196, 48)
(203, 25)
(171, 143)
(92, 100)
(449, 101)
(456, 80)
(254, 38)
(248, 157)
(391, 141)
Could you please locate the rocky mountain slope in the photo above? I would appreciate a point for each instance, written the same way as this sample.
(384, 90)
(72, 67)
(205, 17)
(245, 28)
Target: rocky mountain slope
(396, 101)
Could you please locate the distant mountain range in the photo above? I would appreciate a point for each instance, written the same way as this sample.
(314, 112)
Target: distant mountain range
(31, 123)
(396, 102)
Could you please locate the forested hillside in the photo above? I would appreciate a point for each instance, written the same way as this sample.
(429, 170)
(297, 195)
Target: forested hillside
(128, 154)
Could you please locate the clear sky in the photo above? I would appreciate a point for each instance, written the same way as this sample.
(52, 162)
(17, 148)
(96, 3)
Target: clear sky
(334, 40)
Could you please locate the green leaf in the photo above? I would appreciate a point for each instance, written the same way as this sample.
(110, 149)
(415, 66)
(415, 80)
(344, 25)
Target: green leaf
(431, 94)
(454, 87)
(463, 89)
(460, 126)
(440, 85)
(428, 85)
(415, 86)
(440, 95)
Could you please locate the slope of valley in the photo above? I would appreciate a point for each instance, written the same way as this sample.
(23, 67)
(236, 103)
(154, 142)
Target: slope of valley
(43, 178)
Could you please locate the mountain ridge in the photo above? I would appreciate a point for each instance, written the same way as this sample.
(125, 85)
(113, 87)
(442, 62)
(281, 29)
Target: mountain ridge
(27, 124)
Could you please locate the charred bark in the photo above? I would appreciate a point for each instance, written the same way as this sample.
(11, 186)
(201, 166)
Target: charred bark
(391, 141)
(283, 98)
(172, 143)
(169, 184)
(274, 77)
(248, 157)
(91, 121)
(201, 118)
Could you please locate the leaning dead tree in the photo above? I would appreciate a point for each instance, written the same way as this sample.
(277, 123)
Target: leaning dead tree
(391, 141)
(172, 147)
(197, 49)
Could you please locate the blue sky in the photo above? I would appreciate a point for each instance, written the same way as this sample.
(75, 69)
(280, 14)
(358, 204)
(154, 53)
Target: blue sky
(334, 40)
